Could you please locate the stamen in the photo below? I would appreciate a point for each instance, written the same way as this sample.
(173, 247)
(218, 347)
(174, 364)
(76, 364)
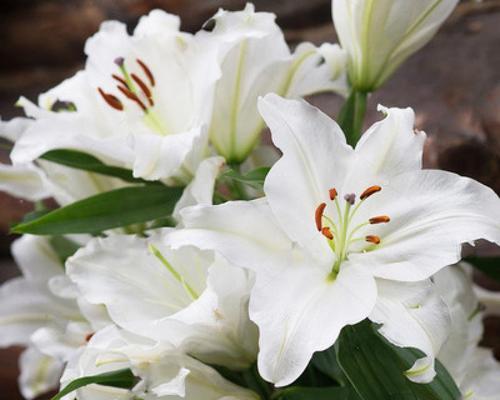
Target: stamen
(113, 101)
(88, 337)
(327, 233)
(318, 214)
(350, 198)
(132, 97)
(143, 87)
(333, 194)
(147, 71)
(120, 79)
(381, 219)
(120, 61)
(368, 192)
(373, 239)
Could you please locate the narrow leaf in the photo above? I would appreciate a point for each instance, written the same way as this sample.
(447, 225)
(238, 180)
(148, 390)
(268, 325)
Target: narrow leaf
(488, 265)
(117, 208)
(375, 368)
(79, 160)
(123, 378)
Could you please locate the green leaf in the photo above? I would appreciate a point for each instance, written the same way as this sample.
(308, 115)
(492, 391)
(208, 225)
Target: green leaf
(311, 393)
(326, 362)
(123, 378)
(79, 160)
(254, 178)
(117, 208)
(375, 368)
(63, 247)
(488, 265)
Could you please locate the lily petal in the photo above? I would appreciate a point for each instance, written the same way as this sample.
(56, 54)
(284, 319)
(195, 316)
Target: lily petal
(432, 213)
(299, 311)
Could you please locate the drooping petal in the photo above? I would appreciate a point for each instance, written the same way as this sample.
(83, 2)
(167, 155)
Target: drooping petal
(299, 311)
(157, 157)
(39, 373)
(201, 189)
(413, 315)
(432, 213)
(315, 159)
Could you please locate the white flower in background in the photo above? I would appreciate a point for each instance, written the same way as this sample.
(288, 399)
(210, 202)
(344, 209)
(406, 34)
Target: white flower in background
(33, 315)
(379, 35)
(334, 219)
(42, 179)
(413, 315)
(184, 297)
(255, 60)
(141, 102)
(164, 372)
(474, 369)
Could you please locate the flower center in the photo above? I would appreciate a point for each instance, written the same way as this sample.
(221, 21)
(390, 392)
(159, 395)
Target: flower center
(137, 91)
(340, 234)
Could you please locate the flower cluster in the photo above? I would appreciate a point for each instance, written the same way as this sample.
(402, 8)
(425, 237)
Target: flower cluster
(188, 260)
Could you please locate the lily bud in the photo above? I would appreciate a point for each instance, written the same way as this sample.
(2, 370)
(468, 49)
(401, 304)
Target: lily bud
(380, 34)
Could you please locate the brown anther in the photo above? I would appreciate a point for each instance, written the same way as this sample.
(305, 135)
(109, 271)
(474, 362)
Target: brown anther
(132, 97)
(319, 215)
(147, 71)
(381, 219)
(372, 239)
(333, 194)
(327, 233)
(112, 101)
(120, 79)
(144, 88)
(88, 337)
(368, 192)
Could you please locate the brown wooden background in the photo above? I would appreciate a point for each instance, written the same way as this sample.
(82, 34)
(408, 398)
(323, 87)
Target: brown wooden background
(453, 84)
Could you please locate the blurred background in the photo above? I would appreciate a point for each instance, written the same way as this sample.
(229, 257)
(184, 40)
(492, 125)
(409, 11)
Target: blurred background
(453, 84)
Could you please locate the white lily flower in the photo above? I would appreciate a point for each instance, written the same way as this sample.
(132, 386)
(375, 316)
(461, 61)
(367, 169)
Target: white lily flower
(474, 369)
(255, 60)
(184, 296)
(141, 102)
(380, 35)
(334, 219)
(32, 315)
(165, 373)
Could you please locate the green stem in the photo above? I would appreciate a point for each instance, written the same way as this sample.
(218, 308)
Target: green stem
(352, 115)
